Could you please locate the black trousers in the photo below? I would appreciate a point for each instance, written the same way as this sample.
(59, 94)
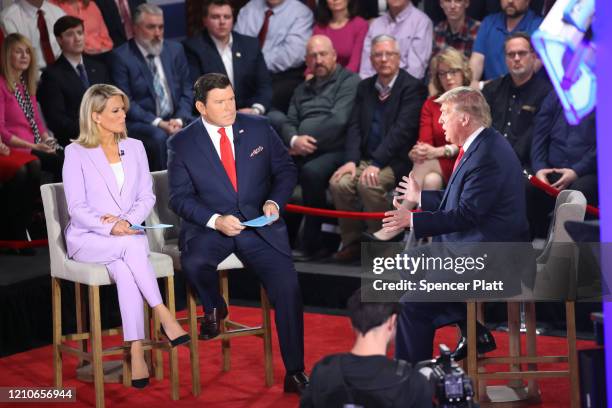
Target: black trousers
(314, 174)
(18, 198)
(540, 204)
(199, 260)
(51, 163)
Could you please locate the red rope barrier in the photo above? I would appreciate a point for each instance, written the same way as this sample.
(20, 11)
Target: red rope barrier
(554, 192)
(23, 244)
(319, 212)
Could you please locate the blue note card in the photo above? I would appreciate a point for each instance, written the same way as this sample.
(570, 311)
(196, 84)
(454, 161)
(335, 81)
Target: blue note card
(260, 221)
(145, 227)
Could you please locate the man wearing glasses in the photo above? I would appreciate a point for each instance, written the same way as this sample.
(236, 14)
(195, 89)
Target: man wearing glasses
(516, 98)
(382, 130)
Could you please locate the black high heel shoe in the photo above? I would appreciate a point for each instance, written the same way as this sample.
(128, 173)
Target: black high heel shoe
(184, 339)
(140, 382)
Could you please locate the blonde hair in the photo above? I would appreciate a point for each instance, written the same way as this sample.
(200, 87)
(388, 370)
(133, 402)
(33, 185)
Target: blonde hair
(30, 75)
(468, 100)
(455, 60)
(95, 100)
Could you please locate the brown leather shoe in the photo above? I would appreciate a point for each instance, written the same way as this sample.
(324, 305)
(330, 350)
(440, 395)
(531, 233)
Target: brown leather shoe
(211, 323)
(296, 383)
(349, 253)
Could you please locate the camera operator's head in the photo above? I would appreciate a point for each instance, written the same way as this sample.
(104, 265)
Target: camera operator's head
(373, 321)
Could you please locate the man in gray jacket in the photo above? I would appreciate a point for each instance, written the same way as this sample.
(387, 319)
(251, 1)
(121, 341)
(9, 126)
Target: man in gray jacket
(314, 129)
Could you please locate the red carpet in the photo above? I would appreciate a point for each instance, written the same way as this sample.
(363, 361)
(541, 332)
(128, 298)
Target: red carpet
(243, 386)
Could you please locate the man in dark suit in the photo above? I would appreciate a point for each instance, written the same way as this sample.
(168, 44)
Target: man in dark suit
(483, 202)
(153, 73)
(219, 49)
(117, 16)
(64, 82)
(382, 129)
(224, 169)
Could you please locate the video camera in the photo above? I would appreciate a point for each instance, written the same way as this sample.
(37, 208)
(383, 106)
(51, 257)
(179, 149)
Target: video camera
(452, 387)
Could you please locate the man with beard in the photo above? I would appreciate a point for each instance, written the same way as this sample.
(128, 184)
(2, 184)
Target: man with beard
(154, 74)
(487, 60)
(315, 127)
(515, 98)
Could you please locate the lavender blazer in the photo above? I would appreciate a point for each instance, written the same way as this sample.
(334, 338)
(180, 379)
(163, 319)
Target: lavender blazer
(91, 192)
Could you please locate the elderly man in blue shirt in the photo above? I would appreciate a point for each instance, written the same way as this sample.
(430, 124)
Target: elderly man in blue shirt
(283, 28)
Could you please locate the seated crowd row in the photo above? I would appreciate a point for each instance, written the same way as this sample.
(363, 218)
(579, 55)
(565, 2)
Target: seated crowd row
(360, 122)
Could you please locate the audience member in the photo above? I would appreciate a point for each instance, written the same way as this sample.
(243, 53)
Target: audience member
(487, 60)
(479, 9)
(34, 19)
(458, 30)
(338, 20)
(516, 98)
(382, 129)
(97, 39)
(153, 72)
(365, 376)
(433, 156)
(315, 129)
(219, 49)
(64, 82)
(118, 17)
(413, 31)
(21, 126)
(283, 28)
(100, 219)
(19, 186)
(563, 156)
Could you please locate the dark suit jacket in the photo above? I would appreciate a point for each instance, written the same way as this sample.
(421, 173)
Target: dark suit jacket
(112, 19)
(484, 200)
(199, 186)
(400, 127)
(252, 83)
(131, 73)
(60, 93)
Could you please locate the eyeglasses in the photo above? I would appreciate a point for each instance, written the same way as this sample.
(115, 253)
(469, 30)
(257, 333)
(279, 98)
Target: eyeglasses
(451, 72)
(384, 54)
(521, 54)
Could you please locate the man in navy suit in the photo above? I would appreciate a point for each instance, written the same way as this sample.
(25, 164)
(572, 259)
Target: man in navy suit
(153, 73)
(219, 49)
(483, 202)
(63, 83)
(223, 169)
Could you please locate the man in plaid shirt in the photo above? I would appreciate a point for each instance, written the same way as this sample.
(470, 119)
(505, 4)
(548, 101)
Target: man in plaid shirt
(458, 30)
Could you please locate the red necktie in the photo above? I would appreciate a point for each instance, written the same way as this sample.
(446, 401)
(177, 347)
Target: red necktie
(126, 17)
(45, 45)
(264, 28)
(458, 159)
(227, 158)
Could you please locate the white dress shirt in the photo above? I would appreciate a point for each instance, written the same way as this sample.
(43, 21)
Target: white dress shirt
(225, 51)
(162, 76)
(21, 17)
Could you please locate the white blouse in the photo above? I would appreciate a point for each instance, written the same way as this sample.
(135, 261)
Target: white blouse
(119, 175)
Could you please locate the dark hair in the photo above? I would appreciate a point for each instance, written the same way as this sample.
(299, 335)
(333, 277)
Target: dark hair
(367, 315)
(207, 82)
(207, 3)
(519, 34)
(66, 23)
(323, 14)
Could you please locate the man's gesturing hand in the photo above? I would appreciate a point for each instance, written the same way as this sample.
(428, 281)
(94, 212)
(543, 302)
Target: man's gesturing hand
(228, 225)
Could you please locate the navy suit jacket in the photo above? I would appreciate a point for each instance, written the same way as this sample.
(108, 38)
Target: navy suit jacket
(60, 93)
(131, 73)
(252, 83)
(112, 19)
(199, 186)
(484, 200)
